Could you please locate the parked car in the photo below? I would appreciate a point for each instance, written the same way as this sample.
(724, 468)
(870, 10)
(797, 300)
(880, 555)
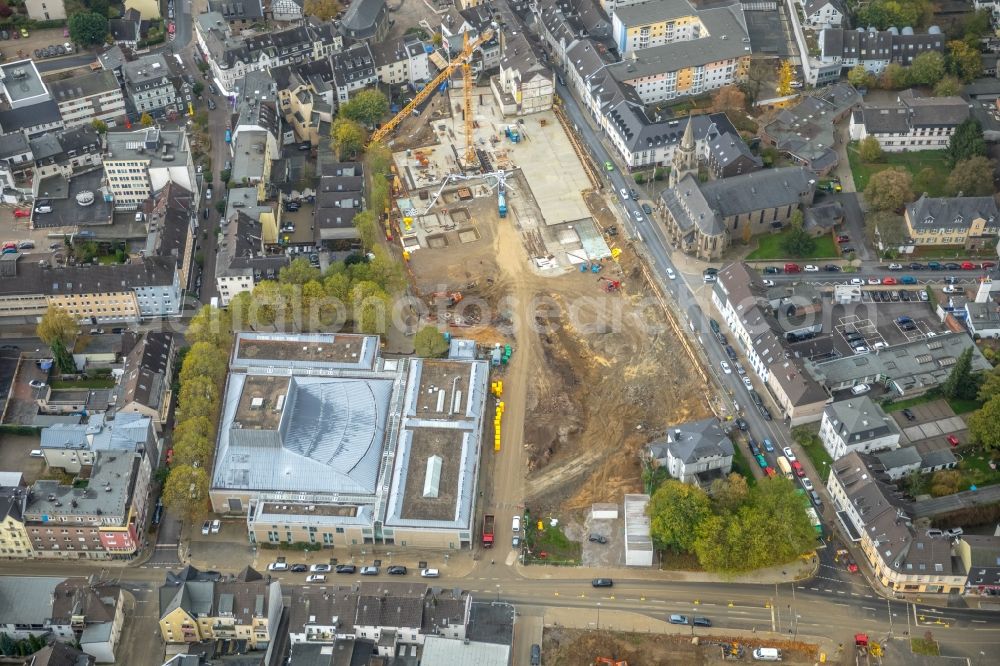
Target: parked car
(278, 566)
(807, 484)
(895, 267)
(345, 569)
(678, 619)
(874, 281)
(429, 573)
(597, 538)
(369, 571)
(953, 440)
(810, 268)
(34, 383)
(916, 266)
(702, 622)
(741, 424)
(908, 413)
(772, 270)
(206, 527)
(396, 570)
(320, 568)
(789, 453)
(747, 382)
(216, 526)
(832, 268)
(725, 368)
(602, 582)
(315, 578)
(768, 446)
(299, 568)
(889, 280)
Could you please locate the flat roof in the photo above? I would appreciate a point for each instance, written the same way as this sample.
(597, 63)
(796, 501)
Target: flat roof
(317, 350)
(64, 197)
(342, 510)
(22, 83)
(424, 444)
(261, 402)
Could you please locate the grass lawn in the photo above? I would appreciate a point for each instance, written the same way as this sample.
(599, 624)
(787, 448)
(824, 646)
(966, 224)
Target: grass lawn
(671, 561)
(90, 383)
(977, 472)
(960, 406)
(925, 646)
(912, 161)
(769, 248)
(808, 438)
(910, 402)
(551, 541)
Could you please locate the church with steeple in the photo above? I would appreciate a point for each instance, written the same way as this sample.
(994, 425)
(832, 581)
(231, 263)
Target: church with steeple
(685, 157)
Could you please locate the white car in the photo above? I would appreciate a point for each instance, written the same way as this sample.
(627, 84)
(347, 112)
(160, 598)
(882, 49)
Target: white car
(320, 568)
(277, 566)
(806, 483)
(430, 573)
(316, 578)
(216, 526)
(874, 280)
(624, 194)
(768, 283)
(895, 267)
(923, 296)
(725, 368)
(747, 383)
(857, 282)
(809, 268)
(858, 389)
(739, 369)
(951, 289)
(206, 527)
(671, 274)
(789, 453)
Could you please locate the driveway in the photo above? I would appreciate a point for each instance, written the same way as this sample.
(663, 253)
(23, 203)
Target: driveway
(854, 221)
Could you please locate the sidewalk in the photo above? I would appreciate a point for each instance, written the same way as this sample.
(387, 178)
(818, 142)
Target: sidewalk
(787, 573)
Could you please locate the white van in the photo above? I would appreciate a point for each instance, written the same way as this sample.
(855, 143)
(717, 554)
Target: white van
(516, 525)
(767, 654)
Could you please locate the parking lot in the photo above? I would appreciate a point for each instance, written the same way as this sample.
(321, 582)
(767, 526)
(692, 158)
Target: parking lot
(932, 423)
(877, 325)
(593, 553)
(14, 450)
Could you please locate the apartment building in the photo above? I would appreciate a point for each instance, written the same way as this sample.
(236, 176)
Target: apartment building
(696, 452)
(21, 85)
(912, 123)
(245, 607)
(15, 544)
(73, 446)
(16, 167)
(151, 86)
(970, 222)
(857, 424)
(306, 99)
(353, 70)
(525, 83)
(45, 10)
(338, 200)
(402, 61)
(875, 49)
(243, 259)
(84, 99)
(103, 520)
(823, 13)
(65, 153)
(142, 162)
(144, 388)
(366, 20)
(171, 223)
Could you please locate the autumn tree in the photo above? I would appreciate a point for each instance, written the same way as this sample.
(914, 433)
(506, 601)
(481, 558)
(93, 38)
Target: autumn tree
(729, 98)
(186, 492)
(57, 324)
(729, 493)
(348, 138)
(211, 325)
(785, 77)
(895, 77)
(859, 77)
(971, 178)
(430, 343)
(948, 86)
(870, 150)
(984, 424)
(204, 360)
(99, 126)
(964, 61)
(146, 120)
(299, 271)
(889, 189)
(758, 73)
(927, 68)
(675, 511)
(885, 229)
(926, 180)
(324, 10)
(796, 241)
(946, 482)
(367, 227)
(366, 107)
(199, 396)
(990, 386)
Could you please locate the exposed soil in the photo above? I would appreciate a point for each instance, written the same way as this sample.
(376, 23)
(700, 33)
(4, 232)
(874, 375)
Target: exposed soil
(575, 646)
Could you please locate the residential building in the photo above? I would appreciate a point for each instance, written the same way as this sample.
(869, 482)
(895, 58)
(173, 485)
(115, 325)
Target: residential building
(805, 131)
(872, 511)
(21, 85)
(243, 260)
(73, 446)
(32, 121)
(287, 11)
(338, 200)
(100, 294)
(146, 379)
(857, 424)
(142, 162)
(912, 123)
(353, 70)
(150, 86)
(14, 541)
(70, 197)
(899, 463)
(61, 654)
(104, 520)
(65, 153)
(240, 14)
(84, 99)
(703, 218)
(823, 13)
(245, 607)
(905, 370)
(16, 168)
(472, 22)
(982, 319)
(171, 222)
(127, 30)
(402, 61)
(760, 330)
(875, 49)
(670, 49)
(981, 558)
(366, 20)
(389, 467)
(45, 10)
(525, 83)
(972, 222)
(68, 610)
(306, 99)
(696, 452)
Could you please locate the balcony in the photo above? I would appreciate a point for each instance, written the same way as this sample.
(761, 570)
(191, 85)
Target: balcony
(224, 630)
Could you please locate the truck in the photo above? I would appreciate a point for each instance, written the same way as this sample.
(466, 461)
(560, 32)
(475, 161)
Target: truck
(785, 467)
(488, 522)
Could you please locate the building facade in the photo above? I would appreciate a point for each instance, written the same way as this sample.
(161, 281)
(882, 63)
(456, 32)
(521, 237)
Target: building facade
(858, 425)
(84, 99)
(912, 123)
(970, 222)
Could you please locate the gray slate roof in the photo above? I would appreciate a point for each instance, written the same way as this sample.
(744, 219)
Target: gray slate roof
(860, 419)
(695, 440)
(26, 117)
(928, 213)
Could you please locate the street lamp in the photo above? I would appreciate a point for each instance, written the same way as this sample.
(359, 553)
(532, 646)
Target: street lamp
(598, 615)
(498, 592)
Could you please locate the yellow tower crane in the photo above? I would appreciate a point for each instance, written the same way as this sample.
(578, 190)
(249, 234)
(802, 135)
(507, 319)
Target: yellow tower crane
(470, 141)
(467, 50)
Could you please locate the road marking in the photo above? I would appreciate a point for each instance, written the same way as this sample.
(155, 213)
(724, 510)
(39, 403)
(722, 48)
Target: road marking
(815, 589)
(828, 590)
(836, 603)
(979, 621)
(855, 594)
(841, 592)
(868, 608)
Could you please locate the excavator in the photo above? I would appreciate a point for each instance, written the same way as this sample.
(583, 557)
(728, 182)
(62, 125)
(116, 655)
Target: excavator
(610, 285)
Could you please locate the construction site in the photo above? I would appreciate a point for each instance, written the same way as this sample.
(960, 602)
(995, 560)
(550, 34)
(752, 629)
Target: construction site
(508, 238)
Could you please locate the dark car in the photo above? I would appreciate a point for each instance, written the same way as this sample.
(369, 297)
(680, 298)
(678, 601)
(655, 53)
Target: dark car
(211, 105)
(731, 353)
(10, 348)
(916, 266)
(602, 582)
(754, 449)
(951, 266)
(647, 209)
(305, 145)
(702, 622)
(741, 424)
(772, 270)
(299, 568)
(634, 194)
(764, 412)
(832, 268)
(345, 568)
(536, 655)
(396, 570)
(597, 538)
(909, 415)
